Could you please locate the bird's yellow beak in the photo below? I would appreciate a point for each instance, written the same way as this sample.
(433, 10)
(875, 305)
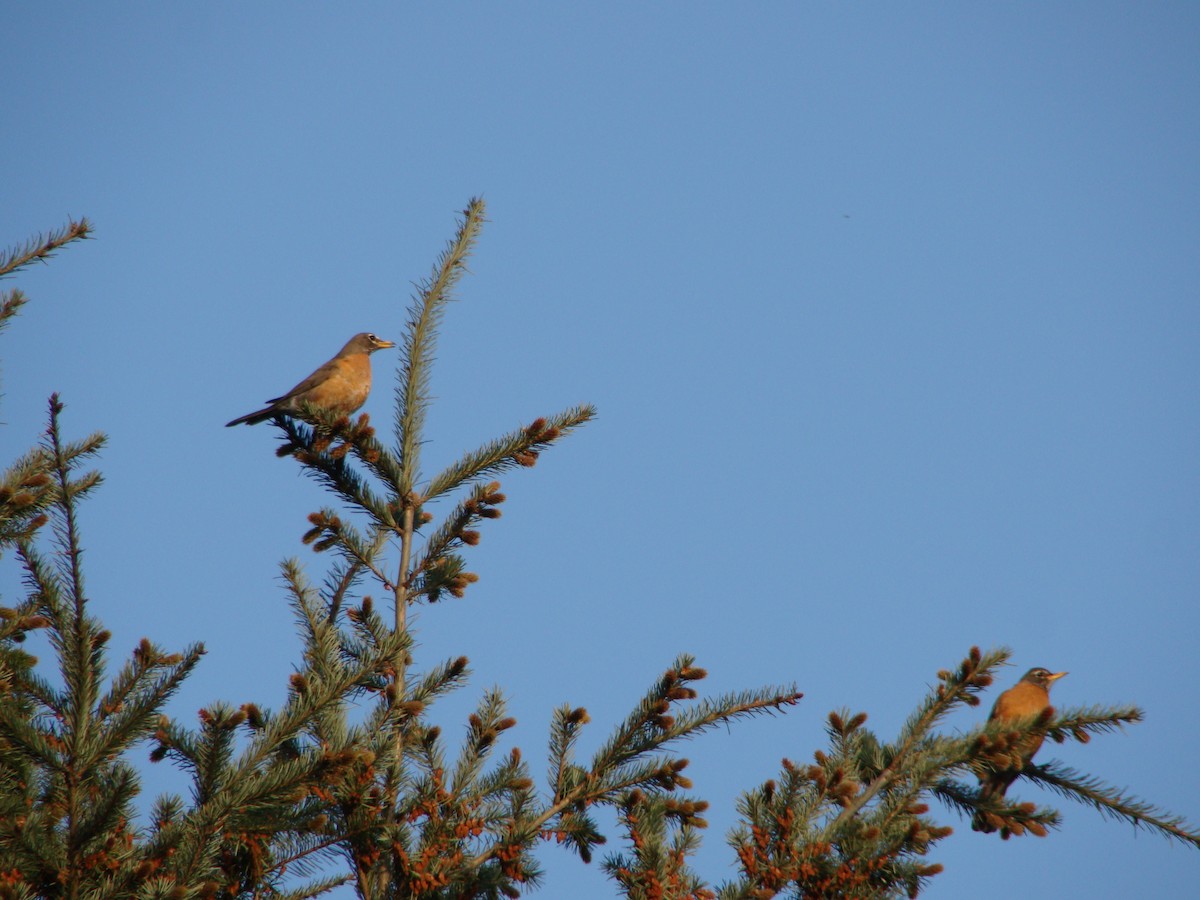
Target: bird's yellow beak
(1057, 675)
(383, 345)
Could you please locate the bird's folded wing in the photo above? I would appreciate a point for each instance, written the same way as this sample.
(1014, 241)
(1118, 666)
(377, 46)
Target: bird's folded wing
(318, 377)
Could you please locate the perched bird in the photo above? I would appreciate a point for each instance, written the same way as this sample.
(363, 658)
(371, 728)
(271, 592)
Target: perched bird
(340, 385)
(1029, 697)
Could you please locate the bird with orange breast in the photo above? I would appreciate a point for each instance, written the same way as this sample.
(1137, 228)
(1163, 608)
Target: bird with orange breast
(340, 385)
(1027, 699)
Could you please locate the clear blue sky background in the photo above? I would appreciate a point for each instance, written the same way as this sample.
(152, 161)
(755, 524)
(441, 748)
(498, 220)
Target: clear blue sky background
(890, 312)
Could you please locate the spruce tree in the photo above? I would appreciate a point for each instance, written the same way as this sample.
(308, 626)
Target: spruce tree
(350, 781)
(426, 819)
(67, 820)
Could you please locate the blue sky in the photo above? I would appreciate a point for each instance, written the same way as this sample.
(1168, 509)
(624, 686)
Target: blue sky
(890, 313)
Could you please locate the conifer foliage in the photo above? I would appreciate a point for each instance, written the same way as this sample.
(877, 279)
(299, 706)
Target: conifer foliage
(352, 782)
(425, 819)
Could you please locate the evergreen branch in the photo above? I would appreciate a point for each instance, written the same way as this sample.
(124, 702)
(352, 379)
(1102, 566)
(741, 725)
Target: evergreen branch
(452, 533)
(579, 831)
(976, 749)
(779, 848)
(956, 795)
(491, 790)
(650, 726)
(40, 746)
(724, 709)
(357, 437)
(304, 852)
(180, 744)
(565, 729)
(33, 853)
(485, 726)
(378, 458)
(1080, 722)
(305, 603)
(213, 751)
(420, 338)
(662, 833)
(45, 597)
(395, 769)
(369, 633)
(357, 552)
(426, 747)
(440, 568)
(1111, 801)
(114, 793)
(315, 889)
(31, 686)
(78, 640)
(412, 400)
(895, 814)
(42, 248)
(654, 773)
(311, 696)
(64, 458)
(145, 660)
(1077, 723)
(330, 654)
(132, 706)
(26, 489)
(167, 808)
(434, 575)
(342, 576)
(15, 625)
(959, 687)
(261, 774)
(625, 760)
(44, 586)
(442, 679)
(74, 451)
(80, 656)
(68, 741)
(966, 801)
(516, 449)
(309, 447)
(364, 551)
(11, 302)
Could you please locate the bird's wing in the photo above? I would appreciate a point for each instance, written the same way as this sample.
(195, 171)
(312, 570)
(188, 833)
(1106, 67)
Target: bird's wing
(320, 376)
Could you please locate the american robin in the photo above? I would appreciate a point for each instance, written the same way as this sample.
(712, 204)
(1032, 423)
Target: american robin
(341, 385)
(1029, 697)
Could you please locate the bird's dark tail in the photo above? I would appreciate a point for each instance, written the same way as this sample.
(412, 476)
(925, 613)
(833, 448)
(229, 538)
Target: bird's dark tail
(995, 786)
(255, 417)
